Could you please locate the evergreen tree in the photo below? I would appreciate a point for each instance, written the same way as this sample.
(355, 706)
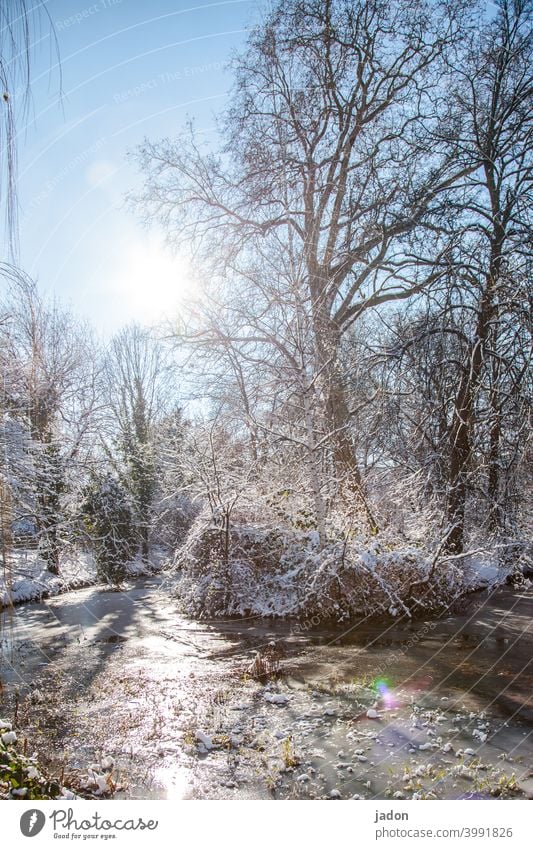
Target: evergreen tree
(108, 517)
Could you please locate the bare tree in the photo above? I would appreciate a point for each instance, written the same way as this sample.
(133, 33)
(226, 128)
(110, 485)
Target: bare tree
(494, 93)
(331, 155)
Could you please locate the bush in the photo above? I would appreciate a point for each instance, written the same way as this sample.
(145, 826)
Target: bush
(21, 776)
(273, 572)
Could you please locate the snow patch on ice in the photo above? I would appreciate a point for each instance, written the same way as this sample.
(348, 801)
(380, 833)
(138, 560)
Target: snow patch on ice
(276, 698)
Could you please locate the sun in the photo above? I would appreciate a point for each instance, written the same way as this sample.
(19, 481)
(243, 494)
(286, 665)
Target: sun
(149, 283)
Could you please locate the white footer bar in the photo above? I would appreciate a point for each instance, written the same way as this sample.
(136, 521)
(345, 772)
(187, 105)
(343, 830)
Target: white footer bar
(274, 825)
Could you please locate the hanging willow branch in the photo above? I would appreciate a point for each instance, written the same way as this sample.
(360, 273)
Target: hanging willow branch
(20, 31)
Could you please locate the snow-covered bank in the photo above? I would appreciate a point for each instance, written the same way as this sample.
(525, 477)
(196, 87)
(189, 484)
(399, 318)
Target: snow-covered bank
(28, 579)
(486, 572)
(279, 573)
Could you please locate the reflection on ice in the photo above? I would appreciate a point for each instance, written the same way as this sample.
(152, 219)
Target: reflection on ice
(175, 782)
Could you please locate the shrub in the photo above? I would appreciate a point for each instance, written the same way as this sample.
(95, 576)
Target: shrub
(272, 572)
(21, 776)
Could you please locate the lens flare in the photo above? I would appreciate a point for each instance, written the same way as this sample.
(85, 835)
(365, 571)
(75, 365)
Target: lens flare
(384, 689)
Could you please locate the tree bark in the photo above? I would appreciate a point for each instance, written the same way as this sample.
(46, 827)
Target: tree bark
(493, 486)
(463, 417)
(349, 480)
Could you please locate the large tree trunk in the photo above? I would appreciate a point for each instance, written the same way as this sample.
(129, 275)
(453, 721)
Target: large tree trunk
(314, 458)
(459, 457)
(349, 481)
(493, 486)
(145, 545)
(464, 414)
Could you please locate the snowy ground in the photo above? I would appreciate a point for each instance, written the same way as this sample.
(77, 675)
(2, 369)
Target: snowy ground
(28, 578)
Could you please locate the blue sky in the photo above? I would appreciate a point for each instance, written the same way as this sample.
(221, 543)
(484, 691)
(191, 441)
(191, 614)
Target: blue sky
(130, 69)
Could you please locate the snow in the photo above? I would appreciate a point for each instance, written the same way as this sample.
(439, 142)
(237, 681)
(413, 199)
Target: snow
(482, 572)
(101, 781)
(28, 579)
(276, 698)
(372, 714)
(205, 741)
(8, 738)
(277, 572)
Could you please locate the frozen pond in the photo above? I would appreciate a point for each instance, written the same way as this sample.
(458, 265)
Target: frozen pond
(105, 678)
